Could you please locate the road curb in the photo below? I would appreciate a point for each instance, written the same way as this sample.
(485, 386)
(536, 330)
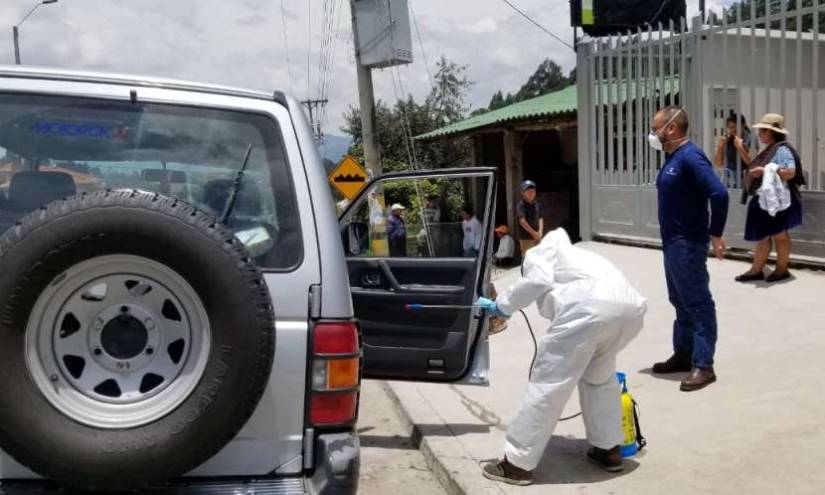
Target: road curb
(441, 472)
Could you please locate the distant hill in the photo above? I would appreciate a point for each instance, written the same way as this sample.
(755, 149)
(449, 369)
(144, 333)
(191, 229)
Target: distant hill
(334, 147)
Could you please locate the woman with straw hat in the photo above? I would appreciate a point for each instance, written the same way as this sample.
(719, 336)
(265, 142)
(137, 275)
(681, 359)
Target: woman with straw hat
(762, 227)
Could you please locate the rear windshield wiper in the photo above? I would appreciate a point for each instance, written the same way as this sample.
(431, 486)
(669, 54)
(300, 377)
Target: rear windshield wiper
(236, 186)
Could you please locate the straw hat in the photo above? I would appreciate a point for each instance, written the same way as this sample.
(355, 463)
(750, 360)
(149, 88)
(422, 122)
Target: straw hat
(397, 206)
(773, 122)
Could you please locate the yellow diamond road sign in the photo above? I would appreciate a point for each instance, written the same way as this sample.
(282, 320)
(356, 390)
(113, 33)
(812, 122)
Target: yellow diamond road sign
(348, 177)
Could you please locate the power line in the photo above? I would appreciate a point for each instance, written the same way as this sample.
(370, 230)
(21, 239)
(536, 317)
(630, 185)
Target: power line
(286, 45)
(523, 14)
(309, 40)
(331, 66)
(421, 44)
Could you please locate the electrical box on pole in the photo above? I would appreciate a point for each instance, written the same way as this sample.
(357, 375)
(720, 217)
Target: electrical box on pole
(384, 35)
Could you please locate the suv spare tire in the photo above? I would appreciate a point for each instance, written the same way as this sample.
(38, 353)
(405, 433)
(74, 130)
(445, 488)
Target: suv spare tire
(136, 339)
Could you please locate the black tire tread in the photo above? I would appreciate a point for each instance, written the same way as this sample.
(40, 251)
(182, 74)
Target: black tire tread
(14, 315)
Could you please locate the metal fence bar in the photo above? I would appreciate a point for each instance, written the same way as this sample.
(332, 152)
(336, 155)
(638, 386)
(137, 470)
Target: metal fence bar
(594, 108)
(672, 69)
(739, 122)
(650, 90)
(630, 117)
(766, 58)
(683, 96)
(814, 183)
(610, 134)
(799, 92)
(599, 71)
(783, 28)
(620, 156)
(725, 91)
(712, 49)
(640, 133)
(660, 83)
(752, 65)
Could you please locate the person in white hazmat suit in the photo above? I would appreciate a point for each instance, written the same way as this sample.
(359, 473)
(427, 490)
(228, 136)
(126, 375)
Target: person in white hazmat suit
(595, 313)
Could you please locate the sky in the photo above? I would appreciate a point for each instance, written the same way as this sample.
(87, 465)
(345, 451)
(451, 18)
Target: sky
(243, 43)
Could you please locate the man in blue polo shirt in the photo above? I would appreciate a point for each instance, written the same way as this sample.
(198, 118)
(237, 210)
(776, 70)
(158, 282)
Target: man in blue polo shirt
(685, 185)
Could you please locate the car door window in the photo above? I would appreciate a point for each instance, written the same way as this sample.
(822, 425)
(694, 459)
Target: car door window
(418, 218)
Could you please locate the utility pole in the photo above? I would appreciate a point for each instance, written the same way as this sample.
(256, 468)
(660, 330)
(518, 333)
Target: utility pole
(16, 33)
(372, 155)
(316, 126)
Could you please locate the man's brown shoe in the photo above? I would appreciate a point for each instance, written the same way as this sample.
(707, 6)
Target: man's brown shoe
(609, 460)
(677, 363)
(507, 473)
(698, 379)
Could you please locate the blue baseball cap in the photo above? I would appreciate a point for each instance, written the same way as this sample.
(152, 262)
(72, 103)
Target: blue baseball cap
(528, 184)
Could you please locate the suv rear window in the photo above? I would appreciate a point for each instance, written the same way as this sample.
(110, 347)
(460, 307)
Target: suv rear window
(52, 147)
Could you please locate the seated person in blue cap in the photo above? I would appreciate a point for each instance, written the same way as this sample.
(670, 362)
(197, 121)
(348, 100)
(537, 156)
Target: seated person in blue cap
(528, 212)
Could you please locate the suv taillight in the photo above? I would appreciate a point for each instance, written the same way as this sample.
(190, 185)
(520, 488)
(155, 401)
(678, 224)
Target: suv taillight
(336, 374)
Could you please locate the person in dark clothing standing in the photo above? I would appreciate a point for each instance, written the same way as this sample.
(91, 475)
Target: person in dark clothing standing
(397, 232)
(685, 185)
(528, 212)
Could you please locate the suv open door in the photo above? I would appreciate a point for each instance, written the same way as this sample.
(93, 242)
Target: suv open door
(417, 247)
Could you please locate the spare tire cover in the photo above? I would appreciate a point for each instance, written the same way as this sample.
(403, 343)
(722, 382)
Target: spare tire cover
(136, 339)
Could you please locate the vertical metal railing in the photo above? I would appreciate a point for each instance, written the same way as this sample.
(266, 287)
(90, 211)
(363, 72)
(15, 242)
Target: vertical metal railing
(814, 182)
(640, 122)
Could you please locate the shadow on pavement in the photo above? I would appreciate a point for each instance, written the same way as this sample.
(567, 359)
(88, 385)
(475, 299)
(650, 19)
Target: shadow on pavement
(671, 377)
(565, 461)
(394, 442)
(454, 429)
(413, 442)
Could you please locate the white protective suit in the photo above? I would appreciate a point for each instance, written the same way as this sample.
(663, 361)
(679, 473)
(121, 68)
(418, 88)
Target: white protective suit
(595, 313)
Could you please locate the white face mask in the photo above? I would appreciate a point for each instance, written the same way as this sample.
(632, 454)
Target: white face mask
(654, 140)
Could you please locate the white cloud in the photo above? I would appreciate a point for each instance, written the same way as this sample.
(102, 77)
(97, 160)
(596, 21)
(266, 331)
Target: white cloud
(241, 42)
(486, 25)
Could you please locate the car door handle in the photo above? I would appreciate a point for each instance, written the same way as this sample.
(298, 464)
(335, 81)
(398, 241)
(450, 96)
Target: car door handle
(371, 280)
(385, 270)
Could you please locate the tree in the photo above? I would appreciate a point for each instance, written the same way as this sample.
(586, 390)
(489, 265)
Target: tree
(497, 101)
(760, 6)
(399, 123)
(547, 78)
(447, 101)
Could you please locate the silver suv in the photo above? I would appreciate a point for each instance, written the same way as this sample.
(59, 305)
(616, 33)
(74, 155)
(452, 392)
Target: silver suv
(182, 310)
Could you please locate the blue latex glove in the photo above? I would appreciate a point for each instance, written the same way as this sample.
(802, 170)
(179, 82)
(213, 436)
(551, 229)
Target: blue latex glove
(490, 307)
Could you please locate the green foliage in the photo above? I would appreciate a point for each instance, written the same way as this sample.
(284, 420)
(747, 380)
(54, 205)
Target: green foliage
(398, 123)
(547, 78)
(407, 118)
(758, 9)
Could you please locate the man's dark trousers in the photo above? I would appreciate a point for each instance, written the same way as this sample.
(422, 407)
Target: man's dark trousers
(686, 271)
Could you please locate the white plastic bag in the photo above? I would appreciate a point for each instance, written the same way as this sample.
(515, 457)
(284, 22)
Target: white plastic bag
(774, 194)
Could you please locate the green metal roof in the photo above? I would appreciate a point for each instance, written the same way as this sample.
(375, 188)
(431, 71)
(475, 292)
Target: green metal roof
(559, 102)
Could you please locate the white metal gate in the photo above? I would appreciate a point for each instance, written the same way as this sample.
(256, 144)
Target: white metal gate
(746, 61)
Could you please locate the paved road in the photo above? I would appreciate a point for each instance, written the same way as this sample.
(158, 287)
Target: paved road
(390, 463)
